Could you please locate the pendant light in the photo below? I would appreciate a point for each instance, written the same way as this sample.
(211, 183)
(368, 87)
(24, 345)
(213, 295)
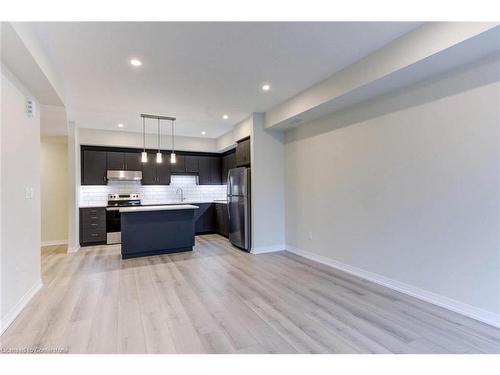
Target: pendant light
(173, 159)
(158, 154)
(144, 154)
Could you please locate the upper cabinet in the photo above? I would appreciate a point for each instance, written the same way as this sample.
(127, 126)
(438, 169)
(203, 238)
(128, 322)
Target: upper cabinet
(228, 162)
(191, 163)
(243, 153)
(94, 167)
(96, 161)
(133, 161)
(154, 173)
(180, 164)
(124, 161)
(209, 170)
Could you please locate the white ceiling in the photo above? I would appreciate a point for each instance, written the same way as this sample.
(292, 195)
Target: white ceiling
(198, 71)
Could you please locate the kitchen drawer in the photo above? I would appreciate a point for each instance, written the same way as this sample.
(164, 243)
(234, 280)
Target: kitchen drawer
(93, 214)
(93, 235)
(94, 225)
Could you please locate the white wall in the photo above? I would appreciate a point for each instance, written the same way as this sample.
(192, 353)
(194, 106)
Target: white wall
(54, 189)
(240, 130)
(407, 188)
(20, 217)
(98, 137)
(268, 190)
(73, 187)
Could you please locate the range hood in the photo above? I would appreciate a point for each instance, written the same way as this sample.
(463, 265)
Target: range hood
(124, 175)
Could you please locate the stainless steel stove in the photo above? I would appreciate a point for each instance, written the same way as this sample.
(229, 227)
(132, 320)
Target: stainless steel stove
(113, 225)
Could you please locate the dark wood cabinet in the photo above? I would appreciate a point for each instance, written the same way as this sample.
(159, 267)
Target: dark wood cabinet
(149, 170)
(163, 172)
(204, 218)
(191, 164)
(179, 167)
(228, 162)
(94, 167)
(221, 219)
(215, 171)
(204, 170)
(96, 161)
(154, 173)
(133, 161)
(209, 170)
(243, 153)
(92, 226)
(124, 161)
(116, 160)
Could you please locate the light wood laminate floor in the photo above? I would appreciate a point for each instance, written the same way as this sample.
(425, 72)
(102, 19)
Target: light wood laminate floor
(218, 299)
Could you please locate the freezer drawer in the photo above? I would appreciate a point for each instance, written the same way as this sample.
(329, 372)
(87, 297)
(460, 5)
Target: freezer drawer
(239, 221)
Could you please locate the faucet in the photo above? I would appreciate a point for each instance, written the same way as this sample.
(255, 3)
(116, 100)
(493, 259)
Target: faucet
(182, 193)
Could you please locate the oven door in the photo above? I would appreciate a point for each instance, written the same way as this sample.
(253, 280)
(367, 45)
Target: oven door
(113, 226)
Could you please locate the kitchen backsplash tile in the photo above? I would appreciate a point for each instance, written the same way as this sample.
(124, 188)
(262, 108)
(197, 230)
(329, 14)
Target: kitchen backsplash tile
(98, 195)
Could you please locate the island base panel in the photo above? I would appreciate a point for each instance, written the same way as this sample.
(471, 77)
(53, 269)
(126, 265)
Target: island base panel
(156, 232)
(155, 252)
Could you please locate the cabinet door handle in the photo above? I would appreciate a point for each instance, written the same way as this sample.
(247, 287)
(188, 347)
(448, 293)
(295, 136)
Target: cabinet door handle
(93, 224)
(94, 234)
(93, 217)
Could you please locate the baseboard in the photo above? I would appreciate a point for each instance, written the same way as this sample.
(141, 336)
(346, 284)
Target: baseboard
(424, 295)
(55, 243)
(6, 321)
(268, 249)
(73, 249)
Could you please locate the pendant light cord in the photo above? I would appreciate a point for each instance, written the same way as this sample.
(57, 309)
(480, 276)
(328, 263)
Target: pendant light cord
(158, 135)
(173, 148)
(144, 133)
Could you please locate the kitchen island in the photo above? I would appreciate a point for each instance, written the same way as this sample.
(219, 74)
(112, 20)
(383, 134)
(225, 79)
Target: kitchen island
(154, 230)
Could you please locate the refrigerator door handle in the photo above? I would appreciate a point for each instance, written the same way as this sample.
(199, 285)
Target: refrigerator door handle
(228, 193)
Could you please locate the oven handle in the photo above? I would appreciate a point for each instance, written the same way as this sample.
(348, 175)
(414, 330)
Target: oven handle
(112, 208)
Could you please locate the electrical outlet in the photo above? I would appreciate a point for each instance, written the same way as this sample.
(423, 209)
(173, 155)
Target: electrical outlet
(310, 235)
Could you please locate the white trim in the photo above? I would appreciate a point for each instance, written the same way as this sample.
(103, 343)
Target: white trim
(55, 242)
(6, 321)
(73, 249)
(424, 295)
(268, 249)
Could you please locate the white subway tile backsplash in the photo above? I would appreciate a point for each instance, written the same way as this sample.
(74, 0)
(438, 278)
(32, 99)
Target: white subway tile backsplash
(98, 195)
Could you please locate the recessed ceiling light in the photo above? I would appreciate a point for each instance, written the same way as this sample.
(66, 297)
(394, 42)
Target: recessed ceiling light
(266, 87)
(135, 62)
(120, 125)
(203, 132)
(225, 117)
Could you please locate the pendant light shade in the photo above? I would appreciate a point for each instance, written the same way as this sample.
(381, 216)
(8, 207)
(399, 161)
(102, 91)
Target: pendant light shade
(173, 158)
(144, 154)
(159, 158)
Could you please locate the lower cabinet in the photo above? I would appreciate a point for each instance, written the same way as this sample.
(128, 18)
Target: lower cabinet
(204, 218)
(211, 218)
(92, 226)
(221, 219)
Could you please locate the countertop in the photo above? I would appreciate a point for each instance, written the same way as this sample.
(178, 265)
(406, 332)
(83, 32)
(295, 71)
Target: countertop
(160, 203)
(159, 208)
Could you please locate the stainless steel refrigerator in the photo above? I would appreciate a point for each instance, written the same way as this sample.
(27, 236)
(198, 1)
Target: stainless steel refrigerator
(238, 207)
